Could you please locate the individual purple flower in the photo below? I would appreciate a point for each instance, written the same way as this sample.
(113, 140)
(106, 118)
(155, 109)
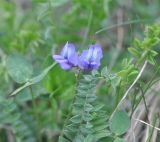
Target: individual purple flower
(68, 57)
(90, 59)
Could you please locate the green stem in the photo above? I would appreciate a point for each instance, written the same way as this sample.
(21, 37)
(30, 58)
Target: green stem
(152, 131)
(145, 104)
(69, 114)
(146, 89)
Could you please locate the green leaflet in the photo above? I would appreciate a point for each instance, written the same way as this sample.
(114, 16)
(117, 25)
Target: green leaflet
(19, 68)
(34, 80)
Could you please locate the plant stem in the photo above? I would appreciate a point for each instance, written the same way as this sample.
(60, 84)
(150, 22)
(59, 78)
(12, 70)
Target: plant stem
(148, 86)
(69, 114)
(130, 88)
(145, 104)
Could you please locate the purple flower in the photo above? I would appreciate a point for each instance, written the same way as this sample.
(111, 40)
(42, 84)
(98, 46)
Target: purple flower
(90, 59)
(68, 57)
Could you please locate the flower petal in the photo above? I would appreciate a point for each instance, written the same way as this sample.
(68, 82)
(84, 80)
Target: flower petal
(65, 66)
(68, 50)
(94, 65)
(84, 55)
(57, 57)
(83, 64)
(90, 59)
(96, 52)
(62, 62)
(73, 59)
(82, 61)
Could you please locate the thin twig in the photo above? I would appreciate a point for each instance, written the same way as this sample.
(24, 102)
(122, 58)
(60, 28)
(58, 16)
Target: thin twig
(121, 24)
(158, 129)
(129, 89)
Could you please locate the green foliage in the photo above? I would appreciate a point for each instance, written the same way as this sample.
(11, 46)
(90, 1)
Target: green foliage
(89, 121)
(12, 120)
(144, 50)
(30, 31)
(31, 81)
(19, 68)
(120, 123)
(129, 72)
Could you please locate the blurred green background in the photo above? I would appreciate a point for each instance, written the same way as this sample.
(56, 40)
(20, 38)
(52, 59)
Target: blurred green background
(32, 30)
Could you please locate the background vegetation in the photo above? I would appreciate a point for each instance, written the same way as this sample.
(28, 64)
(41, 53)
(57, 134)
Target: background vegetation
(31, 31)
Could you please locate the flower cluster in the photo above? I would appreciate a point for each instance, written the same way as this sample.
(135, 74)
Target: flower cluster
(88, 60)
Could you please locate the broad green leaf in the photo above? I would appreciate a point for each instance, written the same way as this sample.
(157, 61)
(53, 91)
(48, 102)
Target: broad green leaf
(19, 68)
(120, 123)
(23, 96)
